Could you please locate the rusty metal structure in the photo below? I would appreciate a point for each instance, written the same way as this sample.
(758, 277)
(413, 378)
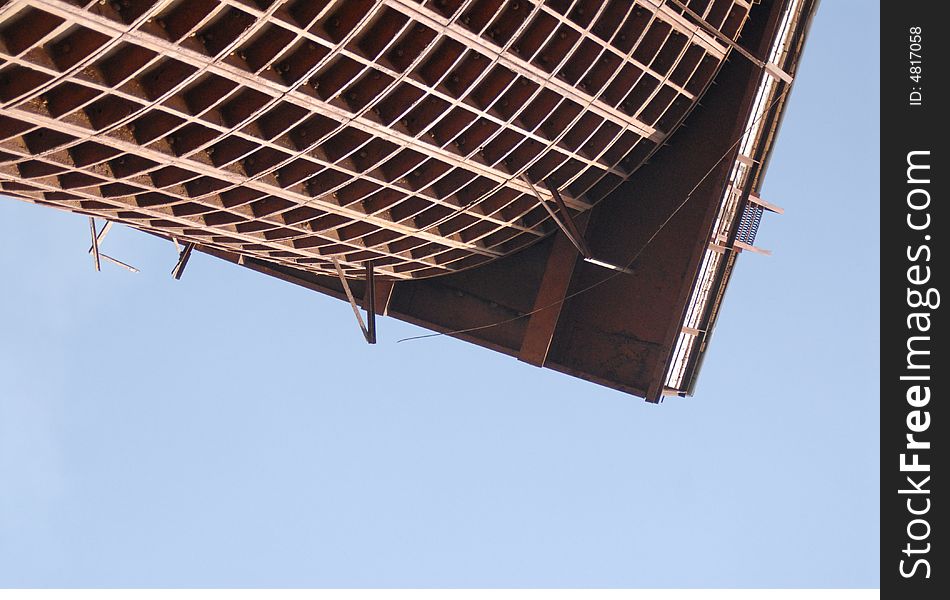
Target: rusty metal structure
(565, 181)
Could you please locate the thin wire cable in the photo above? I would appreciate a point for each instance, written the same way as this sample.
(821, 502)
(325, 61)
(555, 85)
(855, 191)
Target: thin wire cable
(635, 256)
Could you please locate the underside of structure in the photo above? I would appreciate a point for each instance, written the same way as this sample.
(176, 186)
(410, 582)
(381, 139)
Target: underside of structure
(567, 181)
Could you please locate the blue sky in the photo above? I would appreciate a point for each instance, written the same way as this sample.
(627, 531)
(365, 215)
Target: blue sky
(232, 430)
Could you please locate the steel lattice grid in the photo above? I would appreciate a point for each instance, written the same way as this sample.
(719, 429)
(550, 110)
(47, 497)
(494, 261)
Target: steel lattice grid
(296, 131)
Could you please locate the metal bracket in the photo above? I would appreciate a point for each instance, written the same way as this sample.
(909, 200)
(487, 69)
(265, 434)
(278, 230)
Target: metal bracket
(370, 301)
(568, 222)
(95, 243)
(766, 205)
(183, 257)
(567, 225)
(610, 266)
(369, 332)
(98, 256)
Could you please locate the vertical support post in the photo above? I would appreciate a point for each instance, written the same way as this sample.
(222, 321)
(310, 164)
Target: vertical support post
(569, 230)
(95, 244)
(370, 299)
(575, 232)
(370, 337)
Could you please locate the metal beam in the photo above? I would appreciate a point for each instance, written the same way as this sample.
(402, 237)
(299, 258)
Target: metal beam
(101, 236)
(517, 65)
(744, 246)
(766, 205)
(713, 31)
(778, 73)
(709, 40)
(183, 260)
(568, 221)
(550, 299)
(370, 297)
(118, 263)
(569, 230)
(222, 69)
(353, 304)
(607, 265)
(384, 293)
(95, 243)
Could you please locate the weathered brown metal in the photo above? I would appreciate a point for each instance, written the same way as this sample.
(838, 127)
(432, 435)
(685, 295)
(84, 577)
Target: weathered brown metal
(296, 131)
(549, 300)
(95, 247)
(561, 218)
(183, 257)
(390, 146)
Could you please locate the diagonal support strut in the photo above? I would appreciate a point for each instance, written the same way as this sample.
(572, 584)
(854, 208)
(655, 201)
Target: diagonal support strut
(95, 244)
(570, 230)
(96, 254)
(369, 332)
(183, 260)
(576, 234)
